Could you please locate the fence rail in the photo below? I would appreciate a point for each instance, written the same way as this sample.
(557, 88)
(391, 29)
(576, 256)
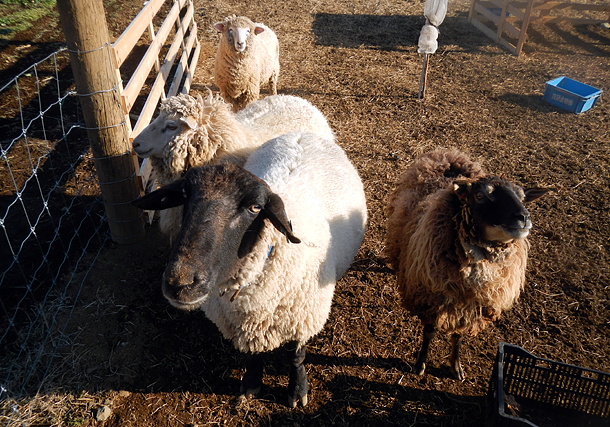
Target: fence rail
(174, 67)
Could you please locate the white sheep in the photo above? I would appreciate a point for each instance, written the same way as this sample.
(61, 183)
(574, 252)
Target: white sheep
(248, 57)
(261, 247)
(457, 240)
(193, 131)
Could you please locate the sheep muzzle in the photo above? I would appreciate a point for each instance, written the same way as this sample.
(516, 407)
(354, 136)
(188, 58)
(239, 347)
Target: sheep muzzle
(182, 292)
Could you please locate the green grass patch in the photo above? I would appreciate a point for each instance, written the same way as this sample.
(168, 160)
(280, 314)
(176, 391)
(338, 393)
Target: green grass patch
(19, 15)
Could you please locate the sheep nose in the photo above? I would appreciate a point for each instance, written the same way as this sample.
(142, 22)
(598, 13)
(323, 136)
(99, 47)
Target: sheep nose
(135, 144)
(524, 219)
(521, 217)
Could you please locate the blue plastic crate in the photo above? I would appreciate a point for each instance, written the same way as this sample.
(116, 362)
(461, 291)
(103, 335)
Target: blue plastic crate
(570, 95)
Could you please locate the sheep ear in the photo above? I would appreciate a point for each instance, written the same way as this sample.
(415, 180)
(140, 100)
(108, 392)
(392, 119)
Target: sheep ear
(534, 193)
(258, 30)
(170, 196)
(461, 188)
(190, 122)
(220, 26)
(274, 210)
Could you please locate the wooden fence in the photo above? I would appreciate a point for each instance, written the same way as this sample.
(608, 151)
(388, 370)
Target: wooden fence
(174, 72)
(495, 18)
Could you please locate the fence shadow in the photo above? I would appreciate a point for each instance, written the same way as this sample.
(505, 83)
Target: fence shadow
(40, 51)
(561, 40)
(391, 32)
(50, 210)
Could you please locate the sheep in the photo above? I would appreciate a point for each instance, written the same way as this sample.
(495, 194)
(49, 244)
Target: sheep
(193, 131)
(457, 239)
(248, 56)
(261, 247)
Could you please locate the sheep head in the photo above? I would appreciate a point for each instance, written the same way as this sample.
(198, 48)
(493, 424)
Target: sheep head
(236, 30)
(493, 210)
(225, 208)
(178, 119)
(186, 134)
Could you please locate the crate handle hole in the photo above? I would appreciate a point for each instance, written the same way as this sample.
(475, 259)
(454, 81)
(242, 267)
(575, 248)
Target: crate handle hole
(589, 374)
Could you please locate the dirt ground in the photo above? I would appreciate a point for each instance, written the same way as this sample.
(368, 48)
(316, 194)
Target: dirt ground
(357, 61)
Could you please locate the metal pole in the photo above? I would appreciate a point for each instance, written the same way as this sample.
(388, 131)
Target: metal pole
(424, 78)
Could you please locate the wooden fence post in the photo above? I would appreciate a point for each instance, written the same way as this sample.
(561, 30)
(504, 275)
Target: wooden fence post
(86, 32)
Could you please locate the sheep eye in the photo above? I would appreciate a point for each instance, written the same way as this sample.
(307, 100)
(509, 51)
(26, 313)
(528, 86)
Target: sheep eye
(171, 126)
(255, 208)
(479, 195)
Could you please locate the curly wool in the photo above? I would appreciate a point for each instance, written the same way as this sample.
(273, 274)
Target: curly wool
(446, 276)
(217, 135)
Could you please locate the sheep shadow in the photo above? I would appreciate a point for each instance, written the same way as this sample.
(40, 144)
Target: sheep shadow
(276, 378)
(391, 32)
(358, 401)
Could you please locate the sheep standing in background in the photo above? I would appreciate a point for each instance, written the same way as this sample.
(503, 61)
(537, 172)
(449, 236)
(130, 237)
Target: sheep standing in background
(261, 247)
(248, 57)
(192, 131)
(457, 240)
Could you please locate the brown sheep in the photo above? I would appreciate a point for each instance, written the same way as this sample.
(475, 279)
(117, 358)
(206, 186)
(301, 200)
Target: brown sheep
(457, 240)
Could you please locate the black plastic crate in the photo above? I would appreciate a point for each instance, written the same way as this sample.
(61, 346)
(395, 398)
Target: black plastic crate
(526, 390)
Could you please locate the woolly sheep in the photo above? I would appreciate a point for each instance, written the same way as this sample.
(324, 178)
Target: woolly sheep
(247, 58)
(261, 247)
(457, 240)
(195, 131)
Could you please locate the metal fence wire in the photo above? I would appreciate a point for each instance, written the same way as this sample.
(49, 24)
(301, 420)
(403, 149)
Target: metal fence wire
(52, 223)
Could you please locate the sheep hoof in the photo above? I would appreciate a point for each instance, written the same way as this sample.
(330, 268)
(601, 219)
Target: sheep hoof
(253, 378)
(419, 369)
(298, 388)
(250, 392)
(458, 372)
(293, 401)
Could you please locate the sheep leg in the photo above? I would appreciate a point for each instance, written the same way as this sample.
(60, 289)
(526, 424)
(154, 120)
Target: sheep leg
(420, 364)
(454, 359)
(297, 381)
(273, 84)
(253, 378)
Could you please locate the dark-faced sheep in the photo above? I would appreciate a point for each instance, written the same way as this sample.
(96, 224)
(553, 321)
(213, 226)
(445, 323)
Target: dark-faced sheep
(457, 240)
(261, 247)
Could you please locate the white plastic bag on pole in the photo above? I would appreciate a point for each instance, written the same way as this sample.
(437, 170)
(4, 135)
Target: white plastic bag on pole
(428, 39)
(435, 11)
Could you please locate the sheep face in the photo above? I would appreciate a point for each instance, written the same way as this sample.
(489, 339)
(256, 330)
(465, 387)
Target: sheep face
(237, 30)
(224, 211)
(496, 206)
(153, 140)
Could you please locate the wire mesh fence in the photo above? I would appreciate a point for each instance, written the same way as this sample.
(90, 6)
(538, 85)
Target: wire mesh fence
(52, 224)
